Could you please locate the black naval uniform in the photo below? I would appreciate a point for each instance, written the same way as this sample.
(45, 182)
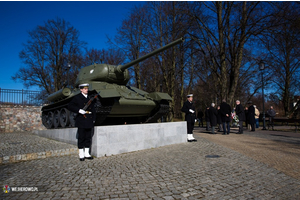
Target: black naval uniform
(85, 123)
(189, 117)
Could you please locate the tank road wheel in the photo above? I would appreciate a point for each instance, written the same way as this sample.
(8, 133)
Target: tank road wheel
(50, 120)
(72, 119)
(56, 119)
(45, 122)
(64, 117)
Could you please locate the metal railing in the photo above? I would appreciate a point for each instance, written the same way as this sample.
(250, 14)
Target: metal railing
(20, 97)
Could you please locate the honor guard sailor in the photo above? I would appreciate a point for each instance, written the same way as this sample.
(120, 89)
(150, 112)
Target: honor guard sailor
(190, 115)
(85, 120)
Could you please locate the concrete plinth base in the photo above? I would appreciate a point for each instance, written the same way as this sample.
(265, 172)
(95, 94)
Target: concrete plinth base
(111, 140)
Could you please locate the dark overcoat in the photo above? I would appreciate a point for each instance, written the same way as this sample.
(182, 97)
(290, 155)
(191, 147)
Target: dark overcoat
(207, 114)
(200, 114)
(77, 103)
(219, 118)
(189, 117)
(251, 114)
(225, 109)
(213, 116)
(239, 110)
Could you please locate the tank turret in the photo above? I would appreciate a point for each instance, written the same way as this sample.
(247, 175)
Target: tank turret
(115, 74)
(116, 103)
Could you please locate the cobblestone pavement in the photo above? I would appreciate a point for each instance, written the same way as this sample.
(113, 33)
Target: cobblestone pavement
(181, 171)
(15, 147)
(278, 149)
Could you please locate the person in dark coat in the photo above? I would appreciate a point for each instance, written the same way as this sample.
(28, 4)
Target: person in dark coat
(239, 110)
(225, 110)
(213, 117)
(251, 115)
(219, 119)
(207, 118)
(200, 117)
(190, 115)
(85, 120)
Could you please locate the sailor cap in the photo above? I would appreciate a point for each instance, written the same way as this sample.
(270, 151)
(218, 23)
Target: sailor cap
(81, 86)
(189, 95)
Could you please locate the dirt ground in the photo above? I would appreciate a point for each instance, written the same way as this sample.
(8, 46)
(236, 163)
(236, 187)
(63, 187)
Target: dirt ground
(281, 155)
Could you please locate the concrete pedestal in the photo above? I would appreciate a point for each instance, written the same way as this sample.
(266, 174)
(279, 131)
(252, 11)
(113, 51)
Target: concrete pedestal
(112, 140)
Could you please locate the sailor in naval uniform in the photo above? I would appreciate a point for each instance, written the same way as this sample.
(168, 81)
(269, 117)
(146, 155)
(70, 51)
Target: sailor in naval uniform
(85, 120)
(190, 115)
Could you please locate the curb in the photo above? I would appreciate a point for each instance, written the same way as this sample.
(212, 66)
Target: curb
(39, 155)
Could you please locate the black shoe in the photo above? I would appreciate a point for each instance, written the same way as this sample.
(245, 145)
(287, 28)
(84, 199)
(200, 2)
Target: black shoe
(89, 158)
(238, 133)
(190, 140)
(81, 159)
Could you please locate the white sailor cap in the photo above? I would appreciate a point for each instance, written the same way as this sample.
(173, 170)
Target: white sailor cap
(81, 86)
(190, 95)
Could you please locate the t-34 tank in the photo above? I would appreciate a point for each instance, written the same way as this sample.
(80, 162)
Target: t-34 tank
(116, 102)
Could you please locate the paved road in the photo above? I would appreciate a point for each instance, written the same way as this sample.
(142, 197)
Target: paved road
(181, 171)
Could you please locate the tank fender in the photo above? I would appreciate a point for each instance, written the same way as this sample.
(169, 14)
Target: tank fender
(158, 96)
(109, 93)
(60, 94)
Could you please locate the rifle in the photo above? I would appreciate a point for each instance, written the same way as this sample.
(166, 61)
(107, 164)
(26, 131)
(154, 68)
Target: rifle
(88, 104)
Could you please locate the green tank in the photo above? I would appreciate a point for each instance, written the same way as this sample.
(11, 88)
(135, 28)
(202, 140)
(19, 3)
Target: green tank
(116, 103)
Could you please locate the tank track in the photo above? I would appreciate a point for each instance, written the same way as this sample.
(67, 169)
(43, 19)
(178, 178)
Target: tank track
(163, 109)
(102, 112)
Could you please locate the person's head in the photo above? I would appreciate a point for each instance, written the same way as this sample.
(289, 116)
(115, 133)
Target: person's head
(254, 106)
(237, 102)
(218, 107)
(190, 97)
(246, 108)
(84, 88)
(224, 100)
(212, 104)
(271, 107)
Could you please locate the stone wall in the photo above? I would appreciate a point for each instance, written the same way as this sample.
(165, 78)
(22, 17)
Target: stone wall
(20, 118)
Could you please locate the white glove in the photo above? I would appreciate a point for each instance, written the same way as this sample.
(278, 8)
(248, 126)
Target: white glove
(195, 120)
(191, 111)
(82, 111)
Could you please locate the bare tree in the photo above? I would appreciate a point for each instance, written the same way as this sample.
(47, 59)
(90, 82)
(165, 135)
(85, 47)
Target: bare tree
(130, 39)
(225, 29)
(168, 23)
(47, 54)
(283, 45)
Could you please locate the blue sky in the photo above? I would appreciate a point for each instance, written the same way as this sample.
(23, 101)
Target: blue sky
(93, 19)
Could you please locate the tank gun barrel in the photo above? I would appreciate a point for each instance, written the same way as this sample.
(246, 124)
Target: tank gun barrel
(121, 68)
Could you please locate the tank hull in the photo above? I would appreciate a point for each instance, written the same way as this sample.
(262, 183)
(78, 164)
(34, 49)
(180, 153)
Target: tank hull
(116, 104)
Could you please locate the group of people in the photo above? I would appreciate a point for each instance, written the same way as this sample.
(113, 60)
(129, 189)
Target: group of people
(222, 116)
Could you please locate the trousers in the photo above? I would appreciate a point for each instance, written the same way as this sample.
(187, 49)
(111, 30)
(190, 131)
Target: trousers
(84, 138)
(190, 127)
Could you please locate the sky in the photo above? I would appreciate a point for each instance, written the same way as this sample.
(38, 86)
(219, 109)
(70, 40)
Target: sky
(93, 19)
